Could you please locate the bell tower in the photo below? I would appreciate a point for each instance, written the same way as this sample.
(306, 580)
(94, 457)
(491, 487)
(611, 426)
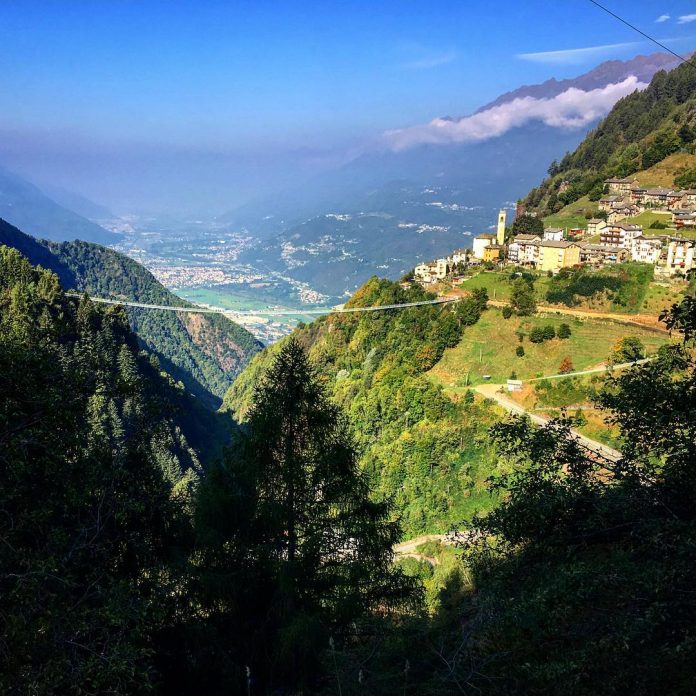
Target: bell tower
(502, 217)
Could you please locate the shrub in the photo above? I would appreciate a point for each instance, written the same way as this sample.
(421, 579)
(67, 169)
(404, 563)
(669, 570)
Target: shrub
(520, 351)
(549, 332)
(536, 335)
(566, 366)
(507, 312)
(564, 331)
(513, 375)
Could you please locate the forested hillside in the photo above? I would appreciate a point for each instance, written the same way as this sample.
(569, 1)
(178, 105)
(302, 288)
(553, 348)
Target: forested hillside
(430, 454)
(204, 352)
(642, 129)
(95, 449)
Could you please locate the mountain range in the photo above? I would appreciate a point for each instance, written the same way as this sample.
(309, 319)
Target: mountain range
(371, 215)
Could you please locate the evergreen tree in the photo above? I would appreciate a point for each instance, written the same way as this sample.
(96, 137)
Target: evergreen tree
(312, 538)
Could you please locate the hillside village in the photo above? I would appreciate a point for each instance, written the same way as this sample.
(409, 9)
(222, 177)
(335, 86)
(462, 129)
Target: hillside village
(607, 239)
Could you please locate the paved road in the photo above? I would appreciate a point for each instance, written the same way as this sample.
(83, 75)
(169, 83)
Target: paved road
(491, 391)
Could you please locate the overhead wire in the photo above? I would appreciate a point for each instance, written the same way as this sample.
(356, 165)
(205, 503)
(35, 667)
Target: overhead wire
(642, 33)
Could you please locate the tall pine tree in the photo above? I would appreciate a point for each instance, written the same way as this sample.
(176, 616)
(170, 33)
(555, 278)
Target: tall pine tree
(309, 552)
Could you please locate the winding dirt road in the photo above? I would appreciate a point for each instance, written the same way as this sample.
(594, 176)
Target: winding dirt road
(492, 391)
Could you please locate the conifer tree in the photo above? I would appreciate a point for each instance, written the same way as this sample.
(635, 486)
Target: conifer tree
(314, 546)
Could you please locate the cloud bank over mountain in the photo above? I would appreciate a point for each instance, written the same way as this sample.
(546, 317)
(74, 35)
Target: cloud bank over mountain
(571, 109)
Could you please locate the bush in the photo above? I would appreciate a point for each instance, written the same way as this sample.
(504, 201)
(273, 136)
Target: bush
(564, 331)
(566, 366)
(628, 349)
(507, 312)
(536, 335)
(658, 225)
(549, 332)
(513, 375)
(539, 334)
(520, 351)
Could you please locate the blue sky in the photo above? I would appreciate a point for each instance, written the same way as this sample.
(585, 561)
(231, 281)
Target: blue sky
(295, 82)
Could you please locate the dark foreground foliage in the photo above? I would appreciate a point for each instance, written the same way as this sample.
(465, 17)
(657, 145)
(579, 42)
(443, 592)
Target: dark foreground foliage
(123, 569)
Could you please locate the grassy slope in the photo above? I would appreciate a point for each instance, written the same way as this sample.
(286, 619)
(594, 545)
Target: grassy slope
(573, 215)
(663, 173)
(488, 348)
(498, 286)
(658, 295)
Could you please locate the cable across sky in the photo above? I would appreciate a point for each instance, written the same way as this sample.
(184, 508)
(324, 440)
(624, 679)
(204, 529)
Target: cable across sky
(266, 312)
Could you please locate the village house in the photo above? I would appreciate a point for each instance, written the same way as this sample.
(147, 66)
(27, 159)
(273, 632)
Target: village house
(595, 226)
(556, 255)
(675, 199)
(689, 198)
(684, 218)
(480, 243)
(576, 232)
(680, 256)
(637, 194)
(425, 272)
(621, 212)
(656, 197)
(606, 203)
(521, 250)
(619, 234)
(459, 256)
(492, 252)
(646, 249)
(597, 255)
(553, 234)
(620, 186)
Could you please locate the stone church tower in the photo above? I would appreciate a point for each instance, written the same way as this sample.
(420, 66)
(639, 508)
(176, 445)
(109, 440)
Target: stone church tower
(502, 217)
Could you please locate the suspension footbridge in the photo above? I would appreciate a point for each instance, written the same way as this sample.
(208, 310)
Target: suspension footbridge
(196, 309)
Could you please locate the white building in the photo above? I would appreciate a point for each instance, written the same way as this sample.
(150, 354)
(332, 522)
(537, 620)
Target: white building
(680, 256)
(646, 249)
(553, 234)
(620, 235)
(480, 243)
(524, 249)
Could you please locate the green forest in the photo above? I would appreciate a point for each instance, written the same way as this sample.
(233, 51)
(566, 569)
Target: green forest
(432, 456)
(203, 352)
(151, 544)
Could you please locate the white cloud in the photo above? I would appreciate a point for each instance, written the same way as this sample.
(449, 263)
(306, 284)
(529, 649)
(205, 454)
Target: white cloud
(685, 19)
(571, 109)
(574, 55)
(662, 18)
(432, 61)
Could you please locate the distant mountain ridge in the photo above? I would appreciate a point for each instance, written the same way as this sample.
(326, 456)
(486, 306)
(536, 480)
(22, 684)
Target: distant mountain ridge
(611, 71)
(204, 352)
(26, 206)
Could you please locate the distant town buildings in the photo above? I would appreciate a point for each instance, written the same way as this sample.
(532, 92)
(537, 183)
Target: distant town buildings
(603, 242)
